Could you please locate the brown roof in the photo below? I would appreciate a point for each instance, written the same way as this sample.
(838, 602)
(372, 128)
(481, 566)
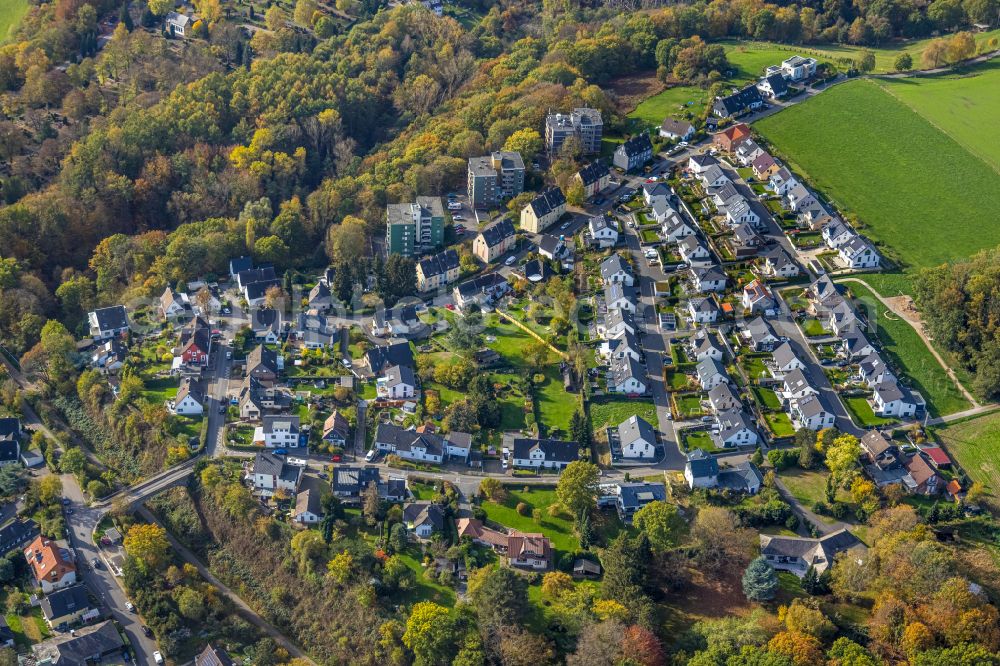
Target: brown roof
(475, 529)
(875, 443)
(919, 469)
(536, 545)
(48, 561)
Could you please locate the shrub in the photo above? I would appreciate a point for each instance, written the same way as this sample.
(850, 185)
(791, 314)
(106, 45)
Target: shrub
(782, 458)
(821, 507)
(523, 509)
(838, 510)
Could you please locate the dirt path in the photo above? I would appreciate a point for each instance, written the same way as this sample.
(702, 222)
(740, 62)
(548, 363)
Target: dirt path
(530, 332)
(913, 319)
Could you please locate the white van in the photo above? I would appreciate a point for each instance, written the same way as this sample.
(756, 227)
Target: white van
(370, 456)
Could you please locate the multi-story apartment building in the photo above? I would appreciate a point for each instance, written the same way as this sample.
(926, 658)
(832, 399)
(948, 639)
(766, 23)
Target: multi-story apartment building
(414, 228)
(495, 177)
(583, 123)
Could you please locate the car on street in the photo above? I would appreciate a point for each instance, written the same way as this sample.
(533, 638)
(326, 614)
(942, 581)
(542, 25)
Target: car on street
(510, 261)
(157, 657)
(65, 500)
(370, 456)
(458, 218)
(281, 452)
(222, 409)
(454, 205)
(599, 201)
(227, 311)
(147, 632)
(335, 457)
(346, 362)
(564, 227)
(229, 356)
(96, 563)
(129, 606)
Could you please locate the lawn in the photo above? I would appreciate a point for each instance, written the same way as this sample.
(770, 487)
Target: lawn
(847, 141)
(558, 530)
(11, 13)
(767, 398)
(650, 236)
(689, 405)
(698, 439)
(975, 446)
(862, 412)
(781, 424)
(908, 352)
(807, 486)
(157, 391)
(510, 340)
(673, 101)
(813, 328)
(555, 405)
(613, 410)
(753, 365)
(425, 589)
(958, 104)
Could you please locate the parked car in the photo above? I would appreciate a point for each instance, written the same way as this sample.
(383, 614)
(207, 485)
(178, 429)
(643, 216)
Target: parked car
(157, 657)
(511, 260)
(281, 452)
(346, 362)
(147, 632)
(96, 563)
(370, 456)
(335, 457)
(129, 606)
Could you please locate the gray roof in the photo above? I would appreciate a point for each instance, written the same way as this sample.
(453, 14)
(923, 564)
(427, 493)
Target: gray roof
(742, 477)
(547, 201)
(549, 243)
(704, 341)
(777, 257)
(79, 648)
(701, 464)
(419, 513)
(439, 264)
(890, 391)
(733, 421)
(354, 479)
(271, 422)
(262, 357)
(213, 656)
(722, 396)
(704, 160)
(400, 374)
(713, 173)
(626, 367)
(601, 222)
(679, 127)
(796, 381)
(708, 273)
(406, 440)
(783, 355)
(554, 449)
(760, 330)
(593, 172)
(811, 405)
(497, 232)
(635, 428)
(690, 244)
(618, 290)
(111, 317)
(309, 501)
(710, 367)
(396, 353)
(634, 495)
(461, 440)
(658, 190)
(272, 465)
(613, 265)
(703, 304)
(63, 602)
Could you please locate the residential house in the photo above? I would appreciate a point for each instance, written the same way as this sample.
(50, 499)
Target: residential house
(836, 233)
(536, 270)
(481, 291)
(213, 656)
(747, 152)
(735, 428)
(693, 252)
(272, 474)
(195, 343)
(583, 124)
(397, 382)
(773, 86)
(759, 335)
(757, 298)
(350, 482)
(336, 429)
(711, 373)
(264, 364)
(704, 344)
(634, 153)
(177, 25)
(795, 385)
(627, 376)
(618, 322)
(256, 398)
(703, 310)
(109, 356)
(664, 213)
(701, 470)
(763, 166)
(423, 518)
(739, 103)
(614, 269)
(619, 296)
(698, 164)
(494, 178)
(458, 445)
(798, 554)
(190, 398)
(675, 228)
(740, 210)
(634, 496)
(677, 130)
(254, 283)
(551, 247)
(52, 563)
(742, 478)
(723, 398)
(810, 412)
(320, 298)
(784, 360)
(873, 371)
(239, 264)
(855, 345)
(926, 480)
(714, 176)
(494, 241)
(380, 357)
(798, 68)
(308, 507)
(781, 181)
(798, 197)
(68, 606)
(414, 228)
(707, 278)
(409, 444)
(437, 271)
(108, 322)
(778, 264)
(937, 457)
(543, 211)
(278, 431)
(266, 325)
(729, 139)
(722, 193)
(529, 453)
(17, 533)
(88, 645)
(653, 192)
(857, 253)
(637, 438)
(891, 399)
(174, 305)
(625, 344)
(594, 177)
(603, 230)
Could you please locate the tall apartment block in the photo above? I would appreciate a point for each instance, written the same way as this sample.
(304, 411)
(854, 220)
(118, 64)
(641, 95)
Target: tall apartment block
(495, 177)
(584, 124)
(414, 228)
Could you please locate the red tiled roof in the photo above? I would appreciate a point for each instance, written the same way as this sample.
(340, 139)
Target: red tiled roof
(953, 487)
(937, 455)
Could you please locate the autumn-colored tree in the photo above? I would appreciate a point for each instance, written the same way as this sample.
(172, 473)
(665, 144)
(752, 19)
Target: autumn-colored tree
(160, 7)
(961, 46)
(555, 583)
(802, 649)
(577, 487)
(526, 141)
(148, 543)
(341, 567)
(609, 610)
(430, 633)
(576, 194)
(492, 490)
(641, 646)
(842, 458)
(917, 638)
(935, 53)
(806, 618)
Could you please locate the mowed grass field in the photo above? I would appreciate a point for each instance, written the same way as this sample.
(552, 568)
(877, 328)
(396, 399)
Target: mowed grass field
(11, 13)
(907, 181)
(975, 445)
(908, 352)
(961, 105)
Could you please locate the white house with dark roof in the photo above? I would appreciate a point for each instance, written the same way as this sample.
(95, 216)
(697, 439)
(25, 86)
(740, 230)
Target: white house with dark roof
(424, 519)
(603, 230)
(872, 370)
(723, 398)
(836, 232)
(858, 253)
(619, 296)
(677, 130)
(714, 176)
(776, 263)
(542, 212)
(698, 163)
(531, 453)
(633, 153)
(637, 438)
(190, 398)
(108, 322)
(795, 385)
(747, 152)
(734, 428)
(891, 399)
(704, 344)
(810, 412)
(701, 470)
(781, 181)
(759, 335)
(707, 278)
(397, 382)
(799, 197)
(278, 431)
(784, 360)
(409, 444)
(773, 86)
(855, 345)
(336, 429)
(615, 269)
(627, 375)
(458, 445)
(271, 473)
(693, 252)
(798, 554)
(703, 310)
(653, 192)
(710, 374)
(617, 323)
(676, 228)
(624, 345)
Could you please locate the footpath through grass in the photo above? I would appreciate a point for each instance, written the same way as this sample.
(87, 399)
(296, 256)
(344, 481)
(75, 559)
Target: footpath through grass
(907, 181)
(909, 353)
